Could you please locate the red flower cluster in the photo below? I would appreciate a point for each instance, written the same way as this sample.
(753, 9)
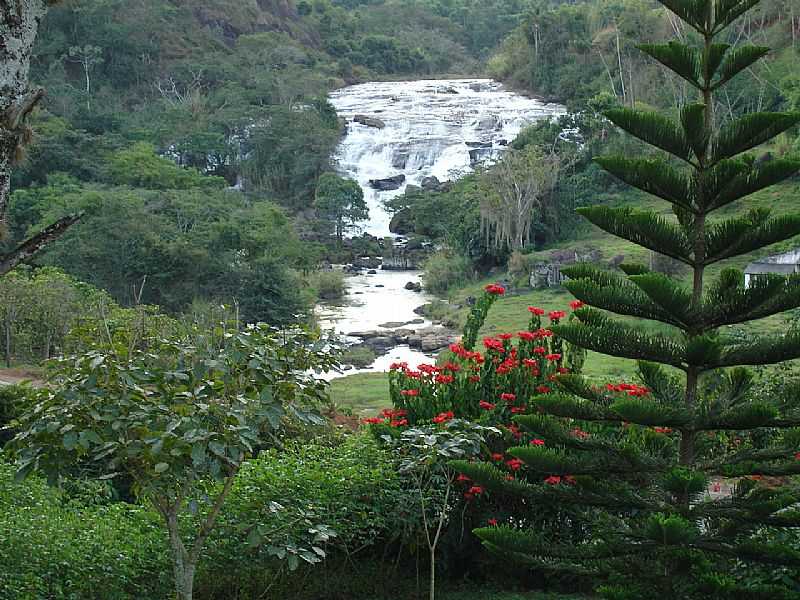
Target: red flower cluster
(443, 417)
(409, 392)
(445, 379)
(537, 442)
(553, 357)
(662, 429)
(486, 405)
(514, 464)
(398, 365)
(555, 315)
(575, 304)
(492, 522)
(630, 388)
(493, 344)
(555, 480)
(542, 389)
(580, 433)
(497, 290)
(536, 310)
(508, 397)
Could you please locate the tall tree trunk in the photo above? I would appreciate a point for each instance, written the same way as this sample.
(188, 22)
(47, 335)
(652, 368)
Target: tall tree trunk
(19, 24)
(182, 564)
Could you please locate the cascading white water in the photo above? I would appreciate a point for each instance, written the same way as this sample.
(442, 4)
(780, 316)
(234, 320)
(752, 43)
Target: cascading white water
(433, 128)
(430, 128)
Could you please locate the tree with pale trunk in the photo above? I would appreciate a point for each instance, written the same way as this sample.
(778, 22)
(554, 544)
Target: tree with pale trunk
(516, 194)
(179, 422)
(19, 24)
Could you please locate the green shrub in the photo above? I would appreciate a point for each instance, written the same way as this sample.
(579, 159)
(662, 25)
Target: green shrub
(444, 270)
(329, 285)
(74, 545)
(13, 400)
(358, 356)
(54, 548)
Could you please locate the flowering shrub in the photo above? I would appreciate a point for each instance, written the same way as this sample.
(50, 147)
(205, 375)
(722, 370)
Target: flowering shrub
(490, 383)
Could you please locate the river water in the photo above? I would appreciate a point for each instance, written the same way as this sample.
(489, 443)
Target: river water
(433, 128)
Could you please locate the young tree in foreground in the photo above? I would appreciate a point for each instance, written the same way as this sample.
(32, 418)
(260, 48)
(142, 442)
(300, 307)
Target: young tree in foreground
(644, 472)
(172, 419)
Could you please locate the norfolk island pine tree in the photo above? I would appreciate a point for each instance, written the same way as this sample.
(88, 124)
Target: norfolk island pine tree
(644, 473)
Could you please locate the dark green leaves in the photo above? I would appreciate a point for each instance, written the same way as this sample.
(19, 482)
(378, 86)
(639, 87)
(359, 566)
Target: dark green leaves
(653, 176)
(692, 12)
(677, 57)
(651, 128)
(749, 232)
(643, 228)
(694, 128)
(737, 61)
(750, 131)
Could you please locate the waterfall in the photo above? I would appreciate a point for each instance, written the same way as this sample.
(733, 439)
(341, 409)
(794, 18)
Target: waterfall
(414, 129)
(437, 128)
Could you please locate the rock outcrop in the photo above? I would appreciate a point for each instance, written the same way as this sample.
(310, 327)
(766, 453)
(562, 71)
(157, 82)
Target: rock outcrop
(369, 121)
(388, 184)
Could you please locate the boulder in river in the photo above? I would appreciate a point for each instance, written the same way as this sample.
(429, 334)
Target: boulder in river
(431, 184)
(387, 184)
(369, 121)
(413, 286)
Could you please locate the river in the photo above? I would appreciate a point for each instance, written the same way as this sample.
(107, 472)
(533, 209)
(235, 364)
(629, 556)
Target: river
(431, 128)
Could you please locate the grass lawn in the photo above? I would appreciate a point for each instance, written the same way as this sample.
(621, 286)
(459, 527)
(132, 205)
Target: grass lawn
(365, 393)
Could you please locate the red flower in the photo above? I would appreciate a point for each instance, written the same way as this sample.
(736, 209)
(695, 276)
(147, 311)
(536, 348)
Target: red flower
(493, 344)
(496, 290)
(563, 370)
(398, 365)
(476, 489)
(580, 433)
(553, 357)
(409, 392)
(553, 480)
(536, 310)
(390, 413)
(537, 442)
(412, 374)
(528, 336)
(486, 405)
(662, 429)
(514, 464)
(452, 367)
(540, 350)
(506, 336)
(462, 477)
(445, 379)
(542, 389)
(497, 456)
(509, 477)
(508, 397)
(555, 315)
(443, 417)
(575, 304)
(372, 420)
(492, 522)
(797, 456)
(474, 378)
(515, 410)
(570, 480)
(399, 423)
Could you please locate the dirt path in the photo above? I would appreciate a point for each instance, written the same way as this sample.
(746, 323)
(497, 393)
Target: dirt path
(15, 376)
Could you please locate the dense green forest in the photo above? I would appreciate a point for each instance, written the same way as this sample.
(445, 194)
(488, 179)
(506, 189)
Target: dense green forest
(154, 108)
